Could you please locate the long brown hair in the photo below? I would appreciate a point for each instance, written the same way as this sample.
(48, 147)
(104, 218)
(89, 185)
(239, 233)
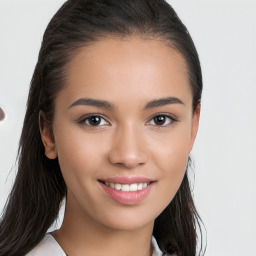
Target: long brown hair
(39, 188)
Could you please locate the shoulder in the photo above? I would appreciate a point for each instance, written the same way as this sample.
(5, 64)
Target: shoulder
(48, 246)
(156, 249)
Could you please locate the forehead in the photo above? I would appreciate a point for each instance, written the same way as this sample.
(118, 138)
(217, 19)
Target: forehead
(133, 68)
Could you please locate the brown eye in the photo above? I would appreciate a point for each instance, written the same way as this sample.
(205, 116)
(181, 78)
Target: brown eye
(94, 120)
(159, 120)
(162, 120)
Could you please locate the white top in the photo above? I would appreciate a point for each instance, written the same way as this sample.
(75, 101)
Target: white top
(50, 247)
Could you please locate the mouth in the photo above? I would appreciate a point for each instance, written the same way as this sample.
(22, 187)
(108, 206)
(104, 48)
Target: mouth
(127, 190)
(126, 187)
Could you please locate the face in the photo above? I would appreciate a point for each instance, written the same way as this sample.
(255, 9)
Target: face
(123, 130)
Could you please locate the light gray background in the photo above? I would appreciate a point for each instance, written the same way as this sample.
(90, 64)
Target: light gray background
(225, 36)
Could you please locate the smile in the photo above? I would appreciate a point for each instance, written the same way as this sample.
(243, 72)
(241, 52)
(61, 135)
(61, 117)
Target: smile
(127, 190)
(127, 187)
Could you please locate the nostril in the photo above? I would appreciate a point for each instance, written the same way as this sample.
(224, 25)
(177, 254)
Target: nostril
(2, 114)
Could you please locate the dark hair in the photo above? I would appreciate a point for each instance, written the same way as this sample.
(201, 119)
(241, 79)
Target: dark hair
(39, 188)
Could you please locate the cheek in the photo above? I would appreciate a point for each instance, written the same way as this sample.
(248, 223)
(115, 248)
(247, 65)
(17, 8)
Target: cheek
(80, 154)
(173, 164)
(171, 158)
(172, 151)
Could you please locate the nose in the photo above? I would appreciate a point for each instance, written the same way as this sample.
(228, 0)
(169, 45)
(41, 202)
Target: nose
(128, 148)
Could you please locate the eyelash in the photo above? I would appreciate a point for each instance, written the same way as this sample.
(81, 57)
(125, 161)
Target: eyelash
(83, 120)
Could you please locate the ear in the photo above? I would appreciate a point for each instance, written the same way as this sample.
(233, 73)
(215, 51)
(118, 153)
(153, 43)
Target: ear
(47, 136)
(195, 124)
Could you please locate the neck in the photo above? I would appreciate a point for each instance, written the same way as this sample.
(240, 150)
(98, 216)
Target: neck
(81, 235)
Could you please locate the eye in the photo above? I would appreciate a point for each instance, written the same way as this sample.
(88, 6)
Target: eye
(162, 120)
(93, 120)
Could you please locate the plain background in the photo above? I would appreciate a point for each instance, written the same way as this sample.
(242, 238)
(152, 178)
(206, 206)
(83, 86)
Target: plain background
(224, 33)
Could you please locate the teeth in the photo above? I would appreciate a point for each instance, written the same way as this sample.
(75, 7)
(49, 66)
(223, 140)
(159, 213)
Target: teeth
(118, 186)
(133, 187)
(127, 187)
(144, 185)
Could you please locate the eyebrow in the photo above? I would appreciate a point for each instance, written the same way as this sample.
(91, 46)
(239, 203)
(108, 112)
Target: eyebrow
(107, 105)
(163, 102)
(94, 103)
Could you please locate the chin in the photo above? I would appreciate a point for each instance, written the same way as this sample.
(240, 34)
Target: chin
(128, 220)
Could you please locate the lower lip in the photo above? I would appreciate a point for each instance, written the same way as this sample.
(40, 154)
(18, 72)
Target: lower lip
(130, 197)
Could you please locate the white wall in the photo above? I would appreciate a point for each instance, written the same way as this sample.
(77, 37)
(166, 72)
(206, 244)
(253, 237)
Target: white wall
(225, 35)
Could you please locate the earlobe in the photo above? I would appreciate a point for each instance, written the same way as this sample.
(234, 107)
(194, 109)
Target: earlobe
(47, 137)
(195, 124)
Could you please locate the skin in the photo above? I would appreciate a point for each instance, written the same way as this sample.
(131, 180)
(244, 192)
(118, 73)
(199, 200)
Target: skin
(127, 142)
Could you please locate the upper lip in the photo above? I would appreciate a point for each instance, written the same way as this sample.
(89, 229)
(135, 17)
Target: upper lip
(127, 179)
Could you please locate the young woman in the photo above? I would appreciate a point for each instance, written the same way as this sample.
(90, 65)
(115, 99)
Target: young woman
(112, 115)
